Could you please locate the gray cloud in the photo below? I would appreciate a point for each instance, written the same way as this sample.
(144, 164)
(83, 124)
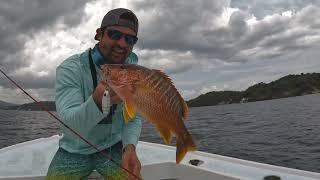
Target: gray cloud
(262, 8)
(184, 38)
(29, 80)
(281, 35)
(22, 19)
(183, 27)
(171, 62)
(171, 22)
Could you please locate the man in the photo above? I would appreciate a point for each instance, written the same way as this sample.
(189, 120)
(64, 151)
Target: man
(83, 104)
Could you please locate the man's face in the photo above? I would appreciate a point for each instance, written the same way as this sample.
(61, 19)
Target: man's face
(116, 50)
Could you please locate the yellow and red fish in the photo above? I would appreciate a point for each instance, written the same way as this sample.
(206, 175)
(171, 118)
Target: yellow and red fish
(151, 94)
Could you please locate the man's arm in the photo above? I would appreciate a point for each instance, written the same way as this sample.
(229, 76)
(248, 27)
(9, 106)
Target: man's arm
(130, 137)
(75, 111)
(131, 131)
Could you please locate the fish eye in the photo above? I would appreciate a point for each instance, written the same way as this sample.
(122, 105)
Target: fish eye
(122, 74)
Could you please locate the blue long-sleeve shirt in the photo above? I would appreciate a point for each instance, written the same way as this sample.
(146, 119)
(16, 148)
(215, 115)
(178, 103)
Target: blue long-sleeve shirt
(76, 107)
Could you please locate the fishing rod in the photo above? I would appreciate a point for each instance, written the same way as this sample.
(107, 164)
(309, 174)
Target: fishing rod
(44, 107)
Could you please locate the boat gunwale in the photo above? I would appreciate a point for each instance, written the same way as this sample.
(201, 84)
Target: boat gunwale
(190, 155)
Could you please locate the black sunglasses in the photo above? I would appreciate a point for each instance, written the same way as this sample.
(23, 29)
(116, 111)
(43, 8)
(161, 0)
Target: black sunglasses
(116, 35)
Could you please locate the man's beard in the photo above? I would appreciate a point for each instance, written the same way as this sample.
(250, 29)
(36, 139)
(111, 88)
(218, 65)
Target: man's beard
(116, 54)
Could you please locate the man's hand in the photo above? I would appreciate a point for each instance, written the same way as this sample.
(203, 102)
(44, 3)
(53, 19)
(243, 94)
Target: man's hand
(131, 162)
(114, 98)
(99, 91)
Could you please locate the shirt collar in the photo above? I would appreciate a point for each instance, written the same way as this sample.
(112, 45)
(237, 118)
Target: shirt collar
(97, 57)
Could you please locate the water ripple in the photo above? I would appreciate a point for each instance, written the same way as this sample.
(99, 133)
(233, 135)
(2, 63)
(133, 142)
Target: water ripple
(283, 132)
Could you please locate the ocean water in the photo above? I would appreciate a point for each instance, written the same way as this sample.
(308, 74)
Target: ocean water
(284, 132)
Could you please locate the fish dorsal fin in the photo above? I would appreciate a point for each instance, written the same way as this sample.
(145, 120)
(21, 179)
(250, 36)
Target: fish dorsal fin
(159, 80)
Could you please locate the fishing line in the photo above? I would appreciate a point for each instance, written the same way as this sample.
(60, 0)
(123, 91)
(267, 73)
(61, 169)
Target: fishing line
(44, 107)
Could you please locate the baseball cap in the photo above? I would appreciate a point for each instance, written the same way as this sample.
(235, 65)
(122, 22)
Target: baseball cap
(120, 17)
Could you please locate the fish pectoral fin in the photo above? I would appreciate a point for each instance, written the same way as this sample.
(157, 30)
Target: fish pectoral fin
(129, 111)
(126, 116)
(165, 134)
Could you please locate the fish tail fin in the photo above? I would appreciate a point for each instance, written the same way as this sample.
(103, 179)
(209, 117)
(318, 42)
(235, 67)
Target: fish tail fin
(184, 144)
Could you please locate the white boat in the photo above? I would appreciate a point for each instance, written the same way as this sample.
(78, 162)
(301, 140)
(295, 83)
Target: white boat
(30, 160)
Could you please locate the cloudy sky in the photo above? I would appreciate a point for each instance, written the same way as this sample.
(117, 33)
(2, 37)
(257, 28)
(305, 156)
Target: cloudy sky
(204, 45)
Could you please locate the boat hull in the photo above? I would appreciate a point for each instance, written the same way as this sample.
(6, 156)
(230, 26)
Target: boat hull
(30, 160)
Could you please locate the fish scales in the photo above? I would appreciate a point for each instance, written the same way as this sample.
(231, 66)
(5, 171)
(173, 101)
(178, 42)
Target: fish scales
(164, 85)
(152, 94)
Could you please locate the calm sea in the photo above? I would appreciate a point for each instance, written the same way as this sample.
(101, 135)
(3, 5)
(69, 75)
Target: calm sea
(283, 132)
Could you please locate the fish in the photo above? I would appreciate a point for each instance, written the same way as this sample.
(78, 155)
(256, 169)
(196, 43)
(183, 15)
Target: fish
(151, 94)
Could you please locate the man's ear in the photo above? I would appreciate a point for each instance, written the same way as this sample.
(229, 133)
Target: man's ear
(98, 35)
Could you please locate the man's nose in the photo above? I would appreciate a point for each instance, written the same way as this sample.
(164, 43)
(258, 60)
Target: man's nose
(122, 42)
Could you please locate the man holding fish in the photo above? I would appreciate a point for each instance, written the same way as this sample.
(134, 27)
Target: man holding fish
(80, 97)
(129, 91)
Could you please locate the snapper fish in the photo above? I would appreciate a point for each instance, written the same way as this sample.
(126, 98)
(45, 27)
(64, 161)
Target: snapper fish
(151, 94)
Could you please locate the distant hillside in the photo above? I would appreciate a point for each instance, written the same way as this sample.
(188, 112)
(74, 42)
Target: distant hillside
(4, 105)
(34, 106)
(288, 86)
(216, 98)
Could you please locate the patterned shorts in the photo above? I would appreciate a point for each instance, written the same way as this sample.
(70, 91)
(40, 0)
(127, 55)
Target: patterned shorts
(71, 166)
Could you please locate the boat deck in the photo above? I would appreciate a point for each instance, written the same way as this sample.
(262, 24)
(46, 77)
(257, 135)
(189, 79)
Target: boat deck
(30, 160)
